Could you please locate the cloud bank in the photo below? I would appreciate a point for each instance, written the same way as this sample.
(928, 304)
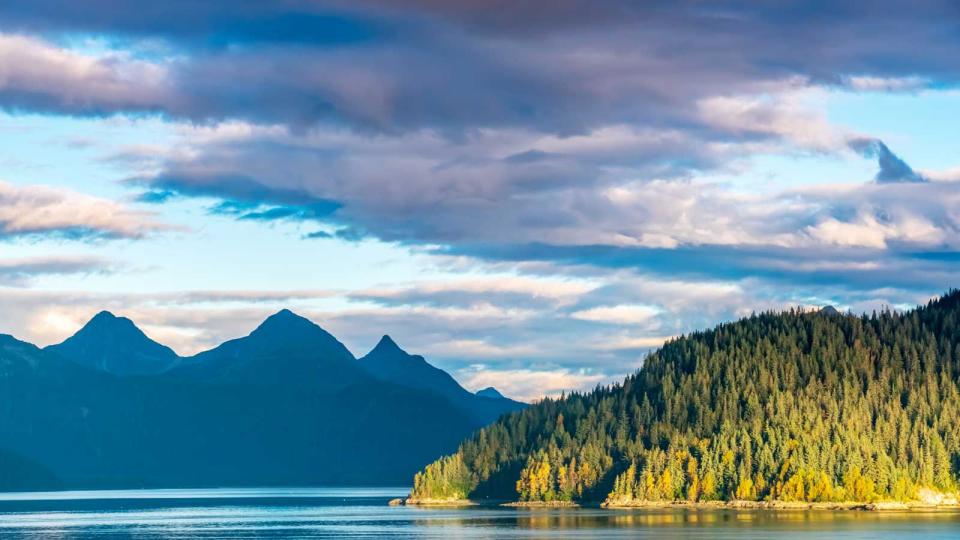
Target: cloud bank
(598, 153)
(27, 211)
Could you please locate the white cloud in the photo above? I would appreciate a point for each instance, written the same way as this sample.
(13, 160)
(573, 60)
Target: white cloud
(558, 289)
(52, 77)
(865, 83)
(622, 314)
(868, 231)
(479, 349)
(625, 342)
(794, 113)
(531, 384)
(37, 209)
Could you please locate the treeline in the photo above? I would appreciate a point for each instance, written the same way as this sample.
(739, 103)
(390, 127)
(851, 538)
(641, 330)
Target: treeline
(792, 406)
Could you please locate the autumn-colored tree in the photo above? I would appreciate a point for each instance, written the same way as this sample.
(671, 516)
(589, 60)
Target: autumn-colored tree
(797, 405)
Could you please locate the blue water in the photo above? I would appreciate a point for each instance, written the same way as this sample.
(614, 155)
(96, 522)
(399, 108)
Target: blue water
(363, 513)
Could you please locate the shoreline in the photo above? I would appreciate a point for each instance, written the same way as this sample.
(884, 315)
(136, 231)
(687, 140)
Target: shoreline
(847, 506)
(407, 501)
(878, 506)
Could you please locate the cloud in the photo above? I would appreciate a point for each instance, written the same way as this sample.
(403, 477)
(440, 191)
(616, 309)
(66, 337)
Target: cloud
(887, 84)
(785, 114)
(505, 290)
(19, 272)
(580, 200)
(209, 24)
(454, 68)
(189, 321)
(528, 347)
(47, 211)
(599, 153)
(622, 314)
(589, 129)
(36, 75)
(892, 168)
(531, 385)
(866, 230)
(948, 175)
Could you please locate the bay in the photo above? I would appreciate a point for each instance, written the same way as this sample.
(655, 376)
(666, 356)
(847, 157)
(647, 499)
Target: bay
(364, 513)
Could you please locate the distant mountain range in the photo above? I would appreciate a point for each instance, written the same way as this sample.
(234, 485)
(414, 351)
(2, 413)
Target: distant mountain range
(286, 405)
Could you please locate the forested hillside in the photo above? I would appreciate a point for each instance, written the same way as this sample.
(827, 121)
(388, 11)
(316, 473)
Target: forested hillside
(793, 406)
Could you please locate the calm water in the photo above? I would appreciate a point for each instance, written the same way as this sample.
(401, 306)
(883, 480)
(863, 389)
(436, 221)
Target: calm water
(363, 513)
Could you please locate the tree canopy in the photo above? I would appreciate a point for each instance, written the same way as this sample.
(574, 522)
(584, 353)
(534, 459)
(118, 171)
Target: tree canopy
(791, 406)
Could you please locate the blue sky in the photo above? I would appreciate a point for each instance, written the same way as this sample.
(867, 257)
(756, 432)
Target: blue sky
(531, 197)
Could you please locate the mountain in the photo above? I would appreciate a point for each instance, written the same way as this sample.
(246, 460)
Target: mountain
(286, 405)
(829, 310)
(19, 474)
(389, 363)
(789, 406)
(490, 392)
(286, 349)
(115, 345)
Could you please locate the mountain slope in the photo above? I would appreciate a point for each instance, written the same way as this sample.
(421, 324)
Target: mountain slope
(792, 406)
(20, 474)
(388, 362)
(115, 345)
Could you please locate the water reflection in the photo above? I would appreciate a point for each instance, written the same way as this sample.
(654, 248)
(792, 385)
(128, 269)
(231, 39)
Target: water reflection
(363, 513)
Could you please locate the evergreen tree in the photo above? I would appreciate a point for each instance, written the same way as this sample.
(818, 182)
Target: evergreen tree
(792, 406)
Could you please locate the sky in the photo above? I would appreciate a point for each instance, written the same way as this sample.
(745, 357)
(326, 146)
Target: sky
(533, 195)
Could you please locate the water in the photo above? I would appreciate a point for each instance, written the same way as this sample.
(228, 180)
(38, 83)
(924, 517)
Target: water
(363, 513)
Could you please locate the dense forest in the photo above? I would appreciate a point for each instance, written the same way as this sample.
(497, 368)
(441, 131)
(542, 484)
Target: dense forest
(792, 406)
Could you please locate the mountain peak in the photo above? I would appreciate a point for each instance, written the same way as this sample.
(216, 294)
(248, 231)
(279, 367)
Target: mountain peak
(490, 392)
(286, 324)
(106, 321)
(285, 330)
(284, 349)
(286, 315)
(387, 344)
(115, 345)
(829, 310)
(387, 355)
(389, 363)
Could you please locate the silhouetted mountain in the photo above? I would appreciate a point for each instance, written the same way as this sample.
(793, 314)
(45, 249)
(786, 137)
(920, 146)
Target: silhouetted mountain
(490, 392)
(286, 405)
(20, 474)
(388, 362)
(115, 345)
(830, 310)
(285, 349)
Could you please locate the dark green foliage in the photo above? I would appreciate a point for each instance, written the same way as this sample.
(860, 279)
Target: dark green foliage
(789, 406)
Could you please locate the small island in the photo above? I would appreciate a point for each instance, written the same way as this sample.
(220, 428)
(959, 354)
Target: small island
(793, 410)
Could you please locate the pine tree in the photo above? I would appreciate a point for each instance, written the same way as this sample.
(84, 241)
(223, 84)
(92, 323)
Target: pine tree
(791, 406)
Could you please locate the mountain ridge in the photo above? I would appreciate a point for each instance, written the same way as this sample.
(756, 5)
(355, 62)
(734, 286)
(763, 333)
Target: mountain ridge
(490, 392)
(283, 349)
(388, 362)
(117, 346)
(288, 404)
